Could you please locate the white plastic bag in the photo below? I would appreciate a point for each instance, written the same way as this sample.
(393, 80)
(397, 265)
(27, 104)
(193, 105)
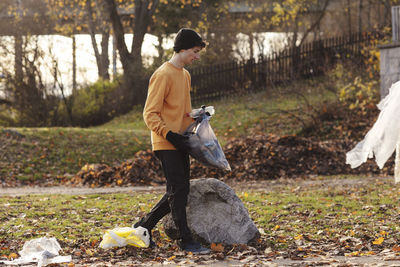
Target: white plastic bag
(203, 144)
(42, 250)
(381, 140)
(123, 236)
(195, 113)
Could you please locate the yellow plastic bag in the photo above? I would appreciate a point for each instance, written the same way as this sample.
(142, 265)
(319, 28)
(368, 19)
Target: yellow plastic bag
(122, 236)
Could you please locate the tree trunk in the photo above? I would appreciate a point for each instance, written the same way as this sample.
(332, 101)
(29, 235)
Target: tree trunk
(349, 17)
(387, 15)
(74, 86)
(18, 59)
(132, 62)
(251, 44)
(360, 13)
(160, 50)
(369, 16)
(101, 57)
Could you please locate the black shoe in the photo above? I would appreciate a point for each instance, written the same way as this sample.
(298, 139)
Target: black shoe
(152, 244)
(194, 247)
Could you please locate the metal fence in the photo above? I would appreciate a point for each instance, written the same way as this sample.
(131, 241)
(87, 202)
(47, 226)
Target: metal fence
(308, 60)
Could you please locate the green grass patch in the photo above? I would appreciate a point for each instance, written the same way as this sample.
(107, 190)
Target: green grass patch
(50, 152)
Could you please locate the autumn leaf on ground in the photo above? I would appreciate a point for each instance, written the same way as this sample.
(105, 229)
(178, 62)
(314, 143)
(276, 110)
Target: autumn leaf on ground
(298, 237)
(171, 258)
(217, 247)
(13, 256)
(378, 241)
(396, 248)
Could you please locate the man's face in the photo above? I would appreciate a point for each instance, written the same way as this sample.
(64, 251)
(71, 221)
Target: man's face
(190, 55)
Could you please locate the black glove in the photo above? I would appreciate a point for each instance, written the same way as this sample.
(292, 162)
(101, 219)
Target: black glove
(179, 141)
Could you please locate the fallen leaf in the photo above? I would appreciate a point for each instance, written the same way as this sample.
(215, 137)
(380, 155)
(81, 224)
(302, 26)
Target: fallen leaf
(217, 247)
(298, 237)
(12, 256)
(89, 252)
(94, 243)
(378, 241)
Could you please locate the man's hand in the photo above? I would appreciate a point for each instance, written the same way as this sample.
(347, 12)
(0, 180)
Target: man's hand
(179, 141)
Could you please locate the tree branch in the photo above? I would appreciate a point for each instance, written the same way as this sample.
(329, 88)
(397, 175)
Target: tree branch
(5, 102)
(316, 23)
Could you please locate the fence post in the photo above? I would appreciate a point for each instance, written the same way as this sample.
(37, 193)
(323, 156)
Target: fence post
(396, 23)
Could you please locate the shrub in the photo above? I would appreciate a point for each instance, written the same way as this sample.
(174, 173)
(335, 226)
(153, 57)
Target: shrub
(360, 94)
(94, 104)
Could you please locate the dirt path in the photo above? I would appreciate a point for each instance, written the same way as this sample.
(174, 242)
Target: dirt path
(268, 185)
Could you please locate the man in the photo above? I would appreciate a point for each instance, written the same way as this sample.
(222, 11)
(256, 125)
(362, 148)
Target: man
(166, 115)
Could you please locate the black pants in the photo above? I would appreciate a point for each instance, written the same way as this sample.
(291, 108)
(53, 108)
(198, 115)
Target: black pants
(176, 167)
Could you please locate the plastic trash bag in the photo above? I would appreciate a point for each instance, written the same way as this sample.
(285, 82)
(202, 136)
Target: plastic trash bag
(42, 250)
(195, 113)
(203, 144)
(123, 236)
(381, 140)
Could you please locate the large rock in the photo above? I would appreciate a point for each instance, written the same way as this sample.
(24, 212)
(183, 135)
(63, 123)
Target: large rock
(215, 215)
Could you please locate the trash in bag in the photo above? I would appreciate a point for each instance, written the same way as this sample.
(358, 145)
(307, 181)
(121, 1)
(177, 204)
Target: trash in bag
(123, 236)
(382, 138)
(195, 113)
(42, 250)
(203, 144)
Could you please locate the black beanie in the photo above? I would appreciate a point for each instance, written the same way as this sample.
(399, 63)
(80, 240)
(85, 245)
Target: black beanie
(186, 39)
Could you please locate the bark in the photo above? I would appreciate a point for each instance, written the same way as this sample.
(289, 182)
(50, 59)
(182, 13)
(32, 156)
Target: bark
(132, 61)
(160, 50)
(360, 13)
(74, 85)
(349, 17)
(18, 58)
(118, 29)
(101, 57)
(388, 11)
(369, 16)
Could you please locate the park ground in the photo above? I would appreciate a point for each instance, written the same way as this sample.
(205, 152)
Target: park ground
(319, 221)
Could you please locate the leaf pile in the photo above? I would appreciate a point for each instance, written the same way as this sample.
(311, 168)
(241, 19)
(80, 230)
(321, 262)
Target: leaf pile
(251, 158)
(143, 169)
(272, 157)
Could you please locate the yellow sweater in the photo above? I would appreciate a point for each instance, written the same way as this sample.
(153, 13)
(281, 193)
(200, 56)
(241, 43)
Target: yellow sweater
(168, 104)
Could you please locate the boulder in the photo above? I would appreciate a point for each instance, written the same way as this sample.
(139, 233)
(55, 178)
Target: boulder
(215, 214)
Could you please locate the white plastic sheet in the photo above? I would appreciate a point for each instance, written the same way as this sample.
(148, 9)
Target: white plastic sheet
(43, 251)
(381, 140)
